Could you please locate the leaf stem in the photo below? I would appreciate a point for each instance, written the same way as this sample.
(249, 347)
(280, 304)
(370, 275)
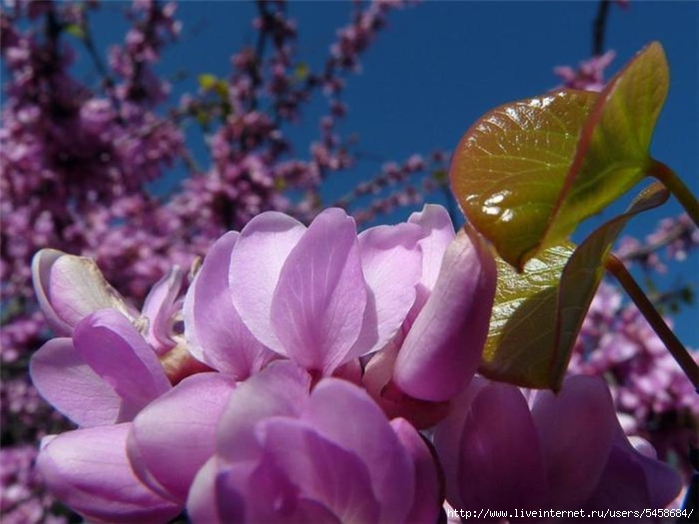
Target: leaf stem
(677, 350)
(671, 181)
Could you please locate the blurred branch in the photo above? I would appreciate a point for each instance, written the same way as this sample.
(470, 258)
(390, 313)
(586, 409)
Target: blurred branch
(599, 27)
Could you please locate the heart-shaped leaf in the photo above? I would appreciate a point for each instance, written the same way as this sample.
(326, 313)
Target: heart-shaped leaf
(527, 173)
(510, 167)
(612, 154)
(537, 314)
(521, 341)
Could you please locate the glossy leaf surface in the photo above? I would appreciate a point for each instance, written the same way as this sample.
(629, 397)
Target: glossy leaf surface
(538, 313)
(511, 165)
(612, 155)
(527, 173)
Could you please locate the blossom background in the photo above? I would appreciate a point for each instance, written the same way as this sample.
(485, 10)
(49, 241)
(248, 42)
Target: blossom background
(429, 75)
(439, 66)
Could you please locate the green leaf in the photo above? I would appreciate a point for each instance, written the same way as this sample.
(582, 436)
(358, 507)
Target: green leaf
(527, 173)
(538, 314)
(511, 165)
(75, 30)
(207, 81)
(612, 154)
(585, 269)
(521, 341)
(301, 71)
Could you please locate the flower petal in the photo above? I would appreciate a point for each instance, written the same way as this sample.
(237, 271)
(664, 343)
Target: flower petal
(202, 505)
(622, 486)
(256, 262)
(391, 263)
(576, 429)
(436, 223)
(41, 276)
(447, 438)
(89, 471)
(280, 389)
(428, 496)
(335, 409)
(318, 305)
(112, 347)
(215, 332)
(242, 493)
(444, 346)
(174, 436)
(63, 378)
(662, 481)
(159, 308)
(69, 288)
(500, 459)
(320, 471)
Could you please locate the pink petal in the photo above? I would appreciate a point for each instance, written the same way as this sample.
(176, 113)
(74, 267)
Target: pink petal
(238, 495)
(622, 486)
(112, 347)
(256, 262)
(88, 470)
(391, 263)
(662, 481)
(576, 429)
(174, 436)
(377, 382)
(70, 288)
(201, 500)
(444, 346)
(447, 438)
(346, 415)
(41, 276)
(318, 305)
(436, 223)
(159, 308)
(320, 471)
(63, 378)
(428, 496)
(243, 493)
(281, 388)
(215, 333)
(500, 459)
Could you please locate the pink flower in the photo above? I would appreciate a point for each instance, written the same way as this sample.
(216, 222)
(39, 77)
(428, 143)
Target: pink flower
(590, 73)
(440, 344)
(321, 296)
(100, 379)
(114, 363)
(289, 453)
(505, 449)
(70, 288)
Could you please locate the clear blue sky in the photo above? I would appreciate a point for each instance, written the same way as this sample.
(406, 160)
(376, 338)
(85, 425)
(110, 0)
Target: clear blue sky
(440, 65)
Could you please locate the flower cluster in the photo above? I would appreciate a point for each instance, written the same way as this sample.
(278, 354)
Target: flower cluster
(290, 380)
(589, 75)
(22, 495)
(76, 159)
(678, 235)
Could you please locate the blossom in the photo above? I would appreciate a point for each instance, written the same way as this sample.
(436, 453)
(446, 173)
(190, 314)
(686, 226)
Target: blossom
(110, 364)
(440, 344)
(71, 288)
(286, 452)
(100, 378)
(321, 296)
(590, 73)
(504, 449)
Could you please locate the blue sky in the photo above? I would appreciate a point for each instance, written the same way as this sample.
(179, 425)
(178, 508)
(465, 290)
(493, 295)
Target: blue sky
(441, 65)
